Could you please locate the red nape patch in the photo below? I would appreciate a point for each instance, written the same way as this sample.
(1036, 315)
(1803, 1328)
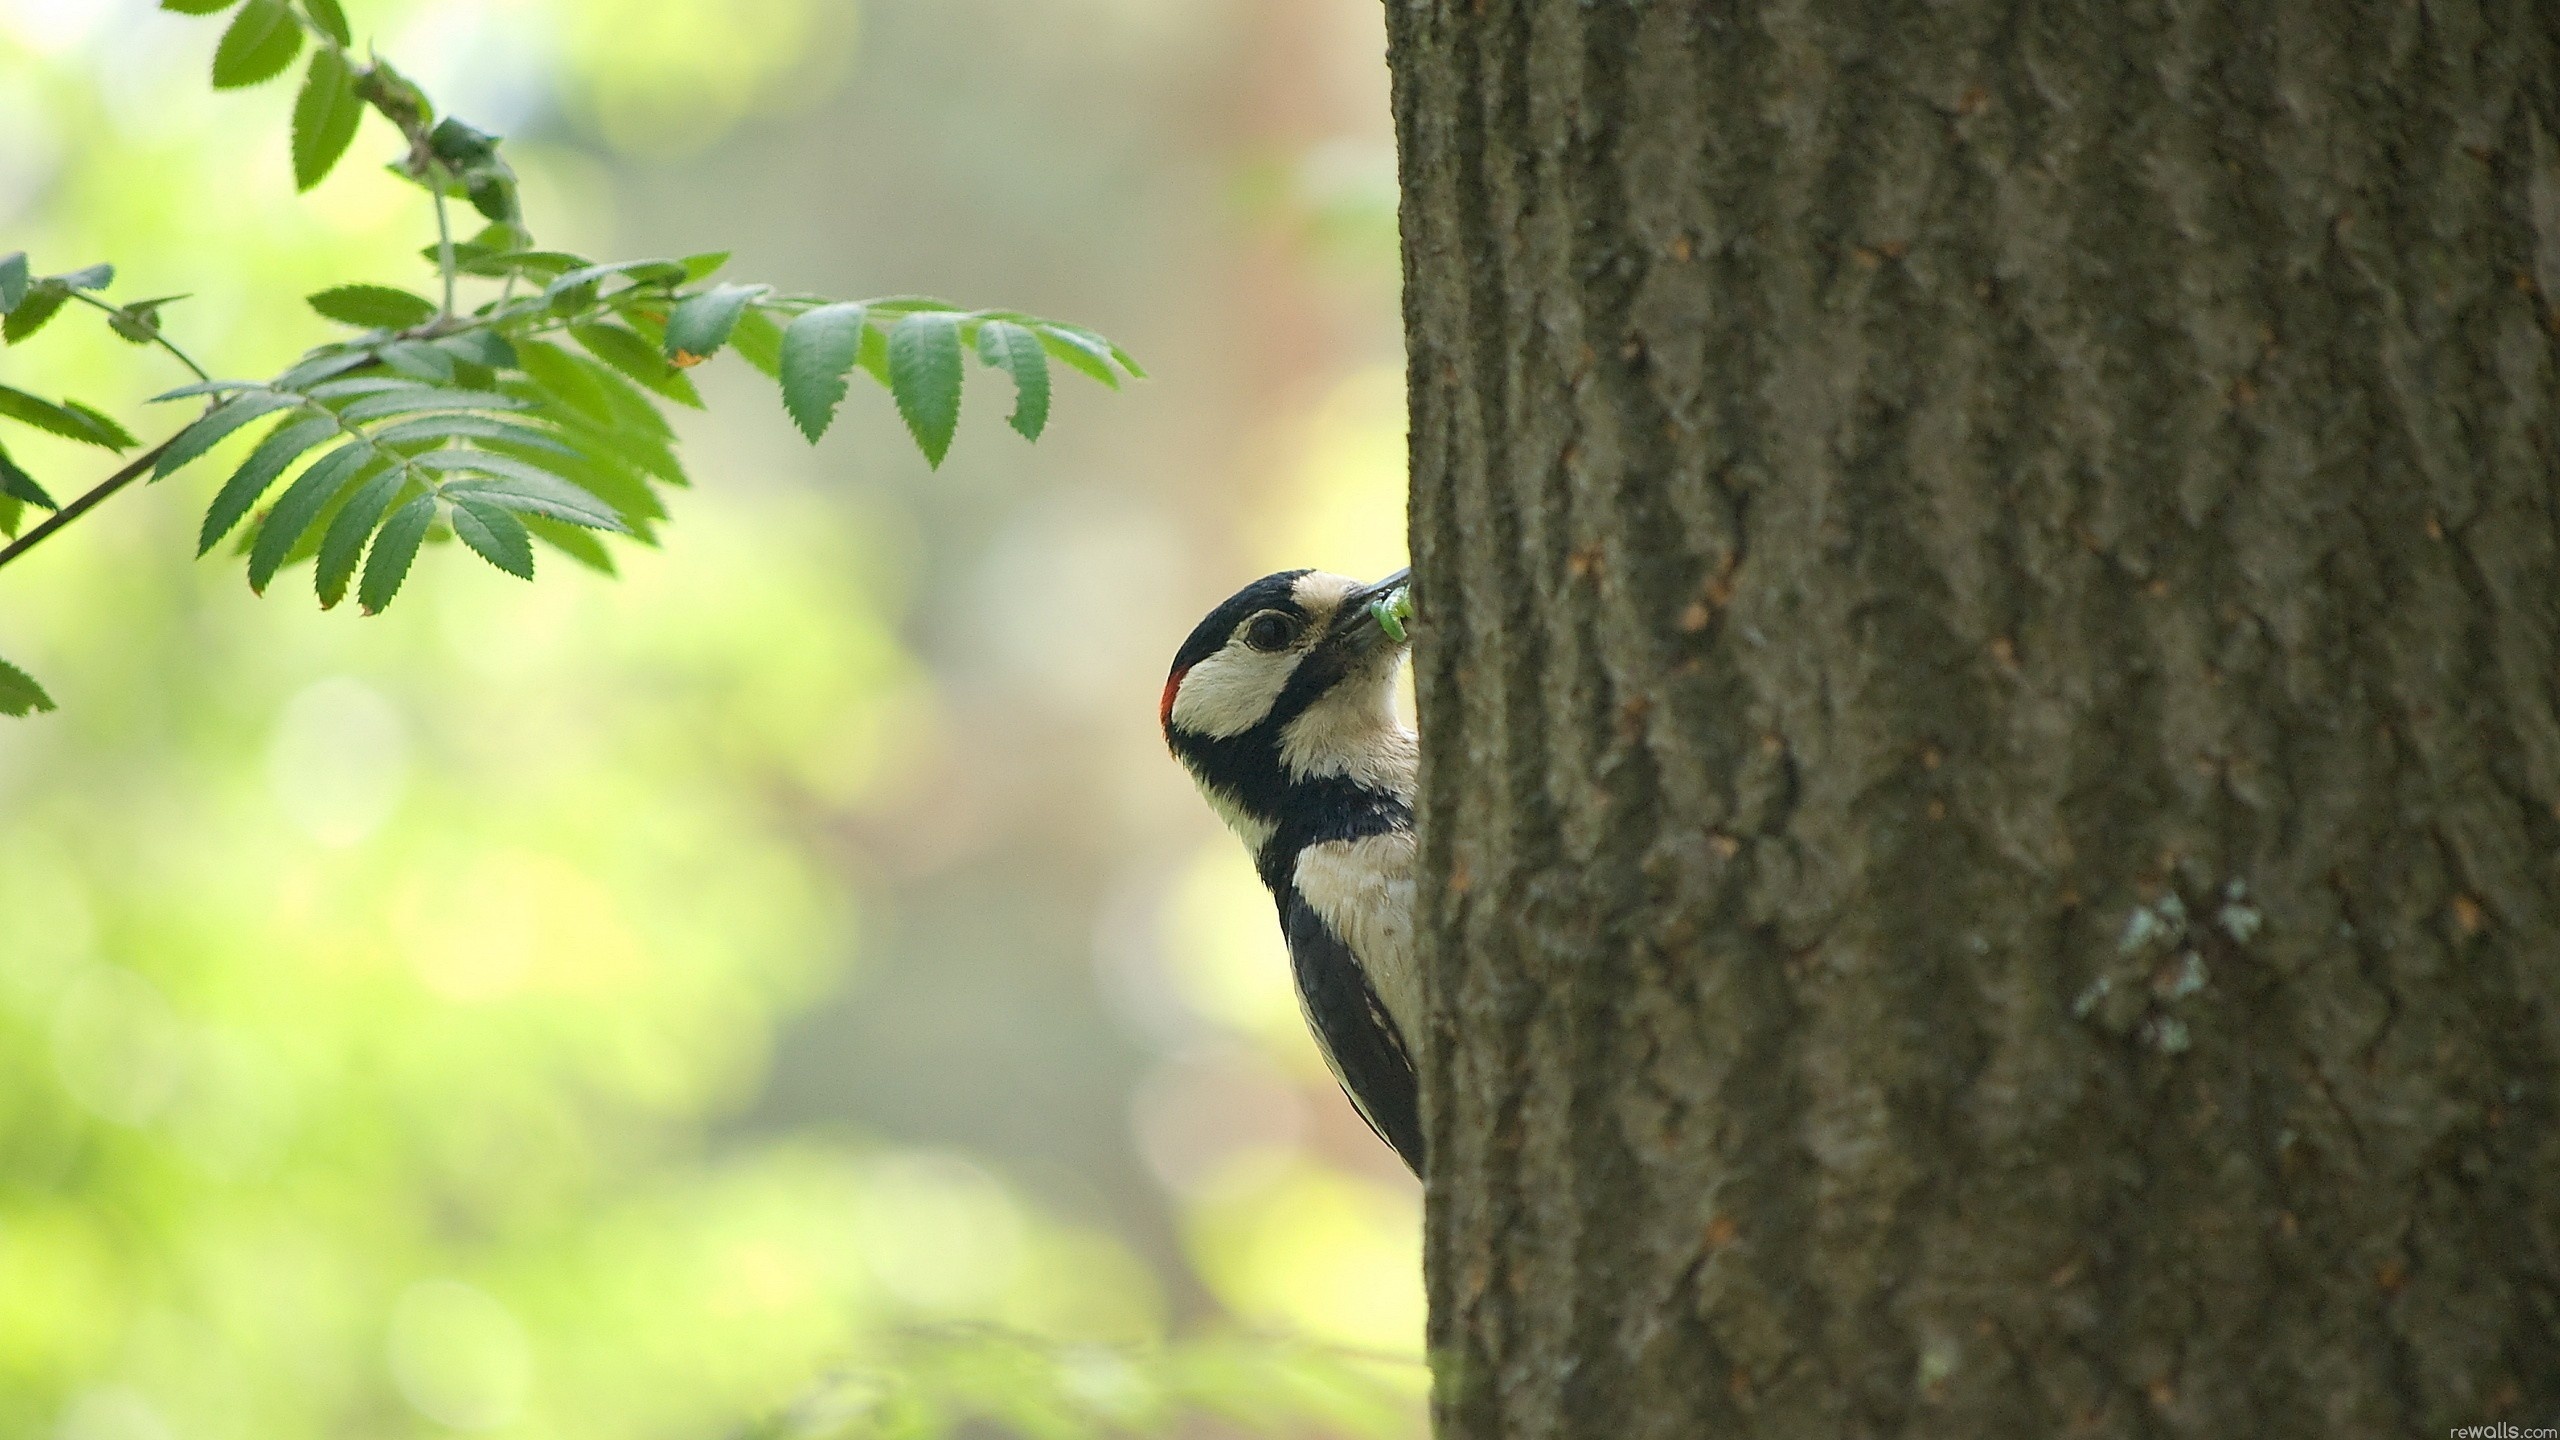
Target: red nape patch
(1172, 687)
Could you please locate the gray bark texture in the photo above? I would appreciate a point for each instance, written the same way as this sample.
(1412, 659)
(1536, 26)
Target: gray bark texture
(1991, 713)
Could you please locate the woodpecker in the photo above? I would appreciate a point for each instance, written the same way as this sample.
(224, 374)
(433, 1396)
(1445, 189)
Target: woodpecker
(1282, 707)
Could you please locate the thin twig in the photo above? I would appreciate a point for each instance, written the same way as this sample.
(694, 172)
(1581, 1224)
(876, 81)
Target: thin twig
(444, 237)
(82, 506)
(157, 338)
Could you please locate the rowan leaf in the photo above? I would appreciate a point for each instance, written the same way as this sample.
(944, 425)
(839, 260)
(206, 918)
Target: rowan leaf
(494, 535)
(72, 422)
(17, 484)
(1081, 352)
(219, 423)
(20, 695)
(324, 114)
(469, 425)
(758, 341)
(300, 506)
(373, 307)
(924, 375)
(531, 491)
(331, 20)
(625, 350)
(410, 399)
(1016, 351)
(262, 41)
(394, 548)
(818, 350)
(700, 324)
(13, 280)
(197, 7)
(280, 449)
(43, 300)
(343, 544)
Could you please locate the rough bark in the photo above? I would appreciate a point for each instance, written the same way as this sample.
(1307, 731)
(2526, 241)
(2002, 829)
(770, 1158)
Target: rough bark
(1990, 713)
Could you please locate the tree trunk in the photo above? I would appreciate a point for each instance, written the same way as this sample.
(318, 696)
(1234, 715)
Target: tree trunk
(1991, 776)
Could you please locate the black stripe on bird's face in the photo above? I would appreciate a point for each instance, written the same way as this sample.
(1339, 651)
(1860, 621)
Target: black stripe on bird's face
(1281, 701)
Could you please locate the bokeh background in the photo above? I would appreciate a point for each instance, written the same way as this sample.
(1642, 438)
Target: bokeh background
(613, 1007)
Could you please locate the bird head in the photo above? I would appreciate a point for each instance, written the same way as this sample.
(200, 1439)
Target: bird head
(1286, 689)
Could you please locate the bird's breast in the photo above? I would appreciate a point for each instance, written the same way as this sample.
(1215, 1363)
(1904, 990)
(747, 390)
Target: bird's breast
(1362, 889)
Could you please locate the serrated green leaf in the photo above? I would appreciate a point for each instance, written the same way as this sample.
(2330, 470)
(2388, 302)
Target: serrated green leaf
(704, 265)
(43, 300)
(300, 506)
(468, 425)
(639, 272)
(560, 376)
(700, 324)
(758, 341)
(89, 277)
(81, 423)
(331, 20)
(1098, 346)
(579, 545)
(373, 307)
(1016, 351)
(209, 431)
(538, 492)
(319, 364)
(20, 695)
(325, 113)
(1080, 354)
(13, 280)
(12, 510)
(393, 550)
(281, 447)
(261, 42)
(418, 361)
(343, 545)
(197, 7)
(111, 435)
(494, 536)
(411, 399)
(924, 375)
(626, 351)
(486, 348)
(818, 349)
(17, 484)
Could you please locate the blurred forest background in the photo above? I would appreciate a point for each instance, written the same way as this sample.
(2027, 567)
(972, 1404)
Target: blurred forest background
(603, 1007)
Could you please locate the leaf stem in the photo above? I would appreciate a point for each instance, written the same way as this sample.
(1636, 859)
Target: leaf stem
(157, 338)
(133, 470)
(444, 237)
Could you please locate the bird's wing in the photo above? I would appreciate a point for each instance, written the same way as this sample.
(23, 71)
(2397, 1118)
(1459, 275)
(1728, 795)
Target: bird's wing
(1353, 1030)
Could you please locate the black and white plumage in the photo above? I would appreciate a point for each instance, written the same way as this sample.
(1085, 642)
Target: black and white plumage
(1282, 707)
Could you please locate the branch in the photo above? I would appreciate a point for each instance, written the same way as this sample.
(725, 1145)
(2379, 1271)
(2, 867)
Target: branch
(139, 466)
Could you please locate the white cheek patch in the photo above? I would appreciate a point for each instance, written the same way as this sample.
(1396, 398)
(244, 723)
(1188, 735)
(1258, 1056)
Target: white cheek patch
(1363, 891)
(1229, 693)
(1352, 730)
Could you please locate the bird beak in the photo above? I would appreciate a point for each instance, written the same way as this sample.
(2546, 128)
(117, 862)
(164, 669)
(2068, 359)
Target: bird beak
(1367, 593)
(1356, 626)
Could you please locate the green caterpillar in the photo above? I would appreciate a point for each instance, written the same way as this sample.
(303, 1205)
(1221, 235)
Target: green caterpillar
(1392, 610)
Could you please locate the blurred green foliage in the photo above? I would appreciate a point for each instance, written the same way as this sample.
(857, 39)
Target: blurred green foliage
(376, 1002)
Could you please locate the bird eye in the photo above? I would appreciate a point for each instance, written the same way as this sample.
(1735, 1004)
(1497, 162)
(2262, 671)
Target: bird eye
(1270, 630)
